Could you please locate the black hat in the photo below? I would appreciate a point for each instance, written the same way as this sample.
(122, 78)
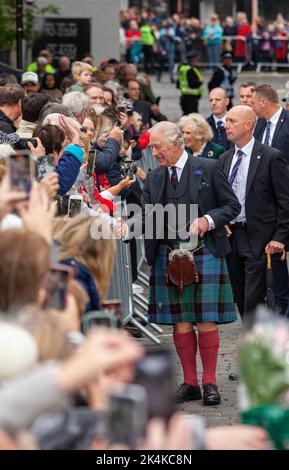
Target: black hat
(192, 55)
(227, 54)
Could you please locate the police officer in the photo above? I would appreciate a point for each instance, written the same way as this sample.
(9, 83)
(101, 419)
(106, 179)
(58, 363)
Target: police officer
(225, 77)
(190, 83)
(148, 41)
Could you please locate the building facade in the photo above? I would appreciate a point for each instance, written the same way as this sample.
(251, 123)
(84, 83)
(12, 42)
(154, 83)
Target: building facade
(87, 26)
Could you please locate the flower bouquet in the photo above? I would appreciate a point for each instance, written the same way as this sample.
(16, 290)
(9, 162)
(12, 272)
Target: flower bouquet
(264, 377)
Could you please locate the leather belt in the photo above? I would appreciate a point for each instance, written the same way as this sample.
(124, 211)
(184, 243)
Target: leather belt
(238, 225)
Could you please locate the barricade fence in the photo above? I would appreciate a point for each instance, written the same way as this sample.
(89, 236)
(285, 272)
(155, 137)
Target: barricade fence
(134, 305)
(255, 50)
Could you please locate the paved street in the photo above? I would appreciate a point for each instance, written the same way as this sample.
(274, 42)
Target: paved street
(227, 412)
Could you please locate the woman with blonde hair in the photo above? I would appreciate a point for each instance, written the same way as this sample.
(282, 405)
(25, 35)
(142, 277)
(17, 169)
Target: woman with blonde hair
(86, 244)
(197, 135)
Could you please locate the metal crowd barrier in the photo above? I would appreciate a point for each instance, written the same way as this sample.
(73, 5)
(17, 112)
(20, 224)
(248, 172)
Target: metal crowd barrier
(121, 288)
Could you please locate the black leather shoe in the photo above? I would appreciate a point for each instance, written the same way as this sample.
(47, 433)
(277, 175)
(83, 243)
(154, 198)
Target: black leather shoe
(211, 395)
(187, 392)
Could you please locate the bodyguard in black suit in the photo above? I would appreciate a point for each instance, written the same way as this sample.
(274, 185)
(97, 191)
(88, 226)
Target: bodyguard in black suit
(259, 178)
(218, 102)
(273, 129)
(180, 182)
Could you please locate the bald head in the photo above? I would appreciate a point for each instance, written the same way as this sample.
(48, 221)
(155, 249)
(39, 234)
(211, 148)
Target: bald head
(240, 125)
(218, 101)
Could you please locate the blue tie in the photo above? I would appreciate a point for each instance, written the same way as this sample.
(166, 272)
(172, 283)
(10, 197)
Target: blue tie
(267, 135)
(221, 134)
(236, 167)
(174, 177)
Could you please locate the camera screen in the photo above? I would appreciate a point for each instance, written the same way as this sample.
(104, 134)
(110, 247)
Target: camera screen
(56, 289)
(44, 167)
(20, 172)
(155, 373)
(127, 416)
(101, 321)
(90, 163)
(75, 206)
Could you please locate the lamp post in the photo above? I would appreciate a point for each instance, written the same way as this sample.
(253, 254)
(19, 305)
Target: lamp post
(254, 8)
(19, 33)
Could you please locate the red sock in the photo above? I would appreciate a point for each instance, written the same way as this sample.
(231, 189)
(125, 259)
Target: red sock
(186, 346)
(209, 347)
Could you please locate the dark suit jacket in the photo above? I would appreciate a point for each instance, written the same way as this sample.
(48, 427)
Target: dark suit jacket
(267, 196)
(281, 135)
(209, 188)
(211, 121)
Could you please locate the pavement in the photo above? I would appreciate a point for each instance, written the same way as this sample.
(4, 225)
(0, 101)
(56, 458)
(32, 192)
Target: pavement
(227, 412)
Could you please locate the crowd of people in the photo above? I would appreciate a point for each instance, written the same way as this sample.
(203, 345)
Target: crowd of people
(149, 37)
(59, 378)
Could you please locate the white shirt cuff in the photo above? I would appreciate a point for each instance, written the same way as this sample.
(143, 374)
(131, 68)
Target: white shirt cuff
(210, 222)
(107, 195)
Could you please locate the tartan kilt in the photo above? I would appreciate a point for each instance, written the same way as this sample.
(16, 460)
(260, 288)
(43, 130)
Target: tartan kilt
(209, 300)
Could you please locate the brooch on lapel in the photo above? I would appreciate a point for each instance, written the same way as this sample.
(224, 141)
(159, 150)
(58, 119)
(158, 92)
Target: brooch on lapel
(198, 173)
(210, 153)
(258, 157)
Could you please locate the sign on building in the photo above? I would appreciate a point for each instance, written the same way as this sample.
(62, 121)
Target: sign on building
(65, 36)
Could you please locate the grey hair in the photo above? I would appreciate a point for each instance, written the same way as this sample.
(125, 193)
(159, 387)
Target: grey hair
(170, 133)
(76, 102)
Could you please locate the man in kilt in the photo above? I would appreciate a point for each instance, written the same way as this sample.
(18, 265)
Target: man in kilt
(187, 180)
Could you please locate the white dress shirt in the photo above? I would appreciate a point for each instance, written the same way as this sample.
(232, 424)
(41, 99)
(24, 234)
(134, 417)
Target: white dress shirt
(179, 168)
(274, 120)
(240, 181)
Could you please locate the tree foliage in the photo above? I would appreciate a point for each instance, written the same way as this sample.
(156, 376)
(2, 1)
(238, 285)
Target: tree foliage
(8, 21)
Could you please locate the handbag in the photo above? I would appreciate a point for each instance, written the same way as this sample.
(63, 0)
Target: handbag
(182, 270)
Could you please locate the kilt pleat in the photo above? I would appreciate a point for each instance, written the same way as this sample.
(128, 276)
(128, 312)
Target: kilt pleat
(209, 300)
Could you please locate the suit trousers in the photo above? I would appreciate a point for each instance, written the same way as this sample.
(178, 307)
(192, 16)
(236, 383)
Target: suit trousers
(247, 273)
(280, 283)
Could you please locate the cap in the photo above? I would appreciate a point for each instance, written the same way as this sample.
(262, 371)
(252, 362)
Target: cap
(286, 98)
(29, 77)
(192, 55)
(227, 54)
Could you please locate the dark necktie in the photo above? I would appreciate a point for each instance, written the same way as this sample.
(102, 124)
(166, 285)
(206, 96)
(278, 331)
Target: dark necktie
(267, 135)
(221, 134)
(174, 177)
(235, 168)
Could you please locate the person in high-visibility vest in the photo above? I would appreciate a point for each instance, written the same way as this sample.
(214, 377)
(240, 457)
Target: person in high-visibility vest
(148, 41)
(190, 83)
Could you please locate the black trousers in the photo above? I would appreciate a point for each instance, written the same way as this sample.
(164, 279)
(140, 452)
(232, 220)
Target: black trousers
(148, 59)
(247, 273)
(189, 104)
(280, 283)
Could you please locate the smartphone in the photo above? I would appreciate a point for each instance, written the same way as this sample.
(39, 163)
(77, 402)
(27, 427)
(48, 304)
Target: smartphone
(64, 203)
(155, 372)
(20, 170)
(75, 205)
(121, 109)
(127, 416)
(91, 162)
(114, 307)
(98, 318)
(22, 143)
(44, 166)
(56, 286)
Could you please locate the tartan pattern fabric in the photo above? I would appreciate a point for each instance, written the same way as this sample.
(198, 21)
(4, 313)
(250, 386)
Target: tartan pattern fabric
(211, 300)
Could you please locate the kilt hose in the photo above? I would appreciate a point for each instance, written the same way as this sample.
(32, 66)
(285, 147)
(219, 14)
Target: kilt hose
(209, 300)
